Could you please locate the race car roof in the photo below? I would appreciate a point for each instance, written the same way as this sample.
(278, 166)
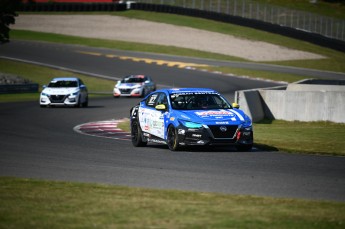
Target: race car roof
(190, 90)
(65, 79)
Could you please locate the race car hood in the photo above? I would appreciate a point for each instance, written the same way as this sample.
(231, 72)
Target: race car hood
(214, 117)
(59, 91)
(128, 85)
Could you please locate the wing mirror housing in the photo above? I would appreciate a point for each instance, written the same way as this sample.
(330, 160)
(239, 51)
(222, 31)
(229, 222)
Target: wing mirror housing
(235, 105)
(161, 107)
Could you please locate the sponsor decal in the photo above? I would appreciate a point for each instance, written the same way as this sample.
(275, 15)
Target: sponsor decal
(156, 141)
(184, 116)
(214, 113)
(193, 93)
(196, 135)
(172, 118)
(222, 123)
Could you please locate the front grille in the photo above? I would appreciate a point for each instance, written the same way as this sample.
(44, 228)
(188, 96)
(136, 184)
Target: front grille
(125, 91)
(57, 98)
(220, 132)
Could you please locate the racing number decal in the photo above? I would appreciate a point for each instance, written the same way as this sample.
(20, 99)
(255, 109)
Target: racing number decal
(152, 100)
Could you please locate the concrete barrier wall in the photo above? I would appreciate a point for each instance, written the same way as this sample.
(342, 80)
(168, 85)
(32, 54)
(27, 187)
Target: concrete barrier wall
(305, 105)
(19, 88)
(250, 102)
(293, 105)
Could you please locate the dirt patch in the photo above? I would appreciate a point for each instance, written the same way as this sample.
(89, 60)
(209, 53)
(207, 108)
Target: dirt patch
(122, 28)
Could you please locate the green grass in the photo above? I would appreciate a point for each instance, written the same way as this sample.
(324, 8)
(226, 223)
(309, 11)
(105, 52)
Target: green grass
(331, 8)
(43, 75)
(302, 137)
(325, 138)
(27, 203)
(335, 8)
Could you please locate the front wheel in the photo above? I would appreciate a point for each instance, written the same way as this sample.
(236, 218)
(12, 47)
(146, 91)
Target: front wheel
(172, 140)
(86, 102)
(136, 133)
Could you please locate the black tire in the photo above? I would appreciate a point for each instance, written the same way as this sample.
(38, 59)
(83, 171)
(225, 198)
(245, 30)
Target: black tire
(86, 103)
(143, 94)
(172, 139)
(244, 148)
(136, 134)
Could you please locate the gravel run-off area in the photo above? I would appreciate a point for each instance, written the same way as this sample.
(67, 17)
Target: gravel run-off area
(133, 30)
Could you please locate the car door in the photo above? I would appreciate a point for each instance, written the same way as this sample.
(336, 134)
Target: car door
(151, 119)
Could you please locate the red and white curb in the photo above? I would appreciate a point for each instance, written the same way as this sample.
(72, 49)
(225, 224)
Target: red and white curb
(104, 129)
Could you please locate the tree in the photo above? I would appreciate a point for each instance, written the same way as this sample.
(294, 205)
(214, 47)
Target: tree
(7, 17)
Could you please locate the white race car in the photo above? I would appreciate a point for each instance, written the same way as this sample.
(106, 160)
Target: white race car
(66, 91)
(135, 86)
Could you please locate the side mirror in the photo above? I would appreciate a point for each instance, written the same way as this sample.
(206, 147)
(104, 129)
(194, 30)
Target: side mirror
(161, 107)
(44, 86)
(235, 105)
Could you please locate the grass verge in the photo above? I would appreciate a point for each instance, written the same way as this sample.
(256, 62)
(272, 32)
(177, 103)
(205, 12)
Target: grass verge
(324, 138)
(27, 203)
(43, 75)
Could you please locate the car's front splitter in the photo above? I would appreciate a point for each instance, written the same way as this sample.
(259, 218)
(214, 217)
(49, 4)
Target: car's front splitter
(204, 136)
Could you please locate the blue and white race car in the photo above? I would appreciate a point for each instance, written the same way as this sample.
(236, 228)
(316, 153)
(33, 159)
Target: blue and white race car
(187, 117)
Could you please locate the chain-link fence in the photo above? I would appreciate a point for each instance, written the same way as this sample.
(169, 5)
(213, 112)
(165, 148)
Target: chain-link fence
(314, 23)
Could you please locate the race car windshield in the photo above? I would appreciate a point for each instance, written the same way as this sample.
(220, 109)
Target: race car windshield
(133, 80)
(63, 83)
(198, 101)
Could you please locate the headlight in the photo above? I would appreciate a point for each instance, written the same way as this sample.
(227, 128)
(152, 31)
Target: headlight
(191, 125)
(44, 94)
(75, 93)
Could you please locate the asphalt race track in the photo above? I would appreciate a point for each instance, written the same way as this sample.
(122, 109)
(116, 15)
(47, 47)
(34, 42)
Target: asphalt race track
(41, 142)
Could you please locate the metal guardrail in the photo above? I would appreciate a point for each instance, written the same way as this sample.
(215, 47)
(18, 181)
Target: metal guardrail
(326, 26)
(19, 88)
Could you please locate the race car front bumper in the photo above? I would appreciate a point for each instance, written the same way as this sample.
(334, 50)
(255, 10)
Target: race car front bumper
(215, 135)
(59, 100)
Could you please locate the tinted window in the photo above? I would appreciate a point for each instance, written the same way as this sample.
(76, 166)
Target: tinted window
(162, 99)
(197, 101)
(63, 83)
(133, 80)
